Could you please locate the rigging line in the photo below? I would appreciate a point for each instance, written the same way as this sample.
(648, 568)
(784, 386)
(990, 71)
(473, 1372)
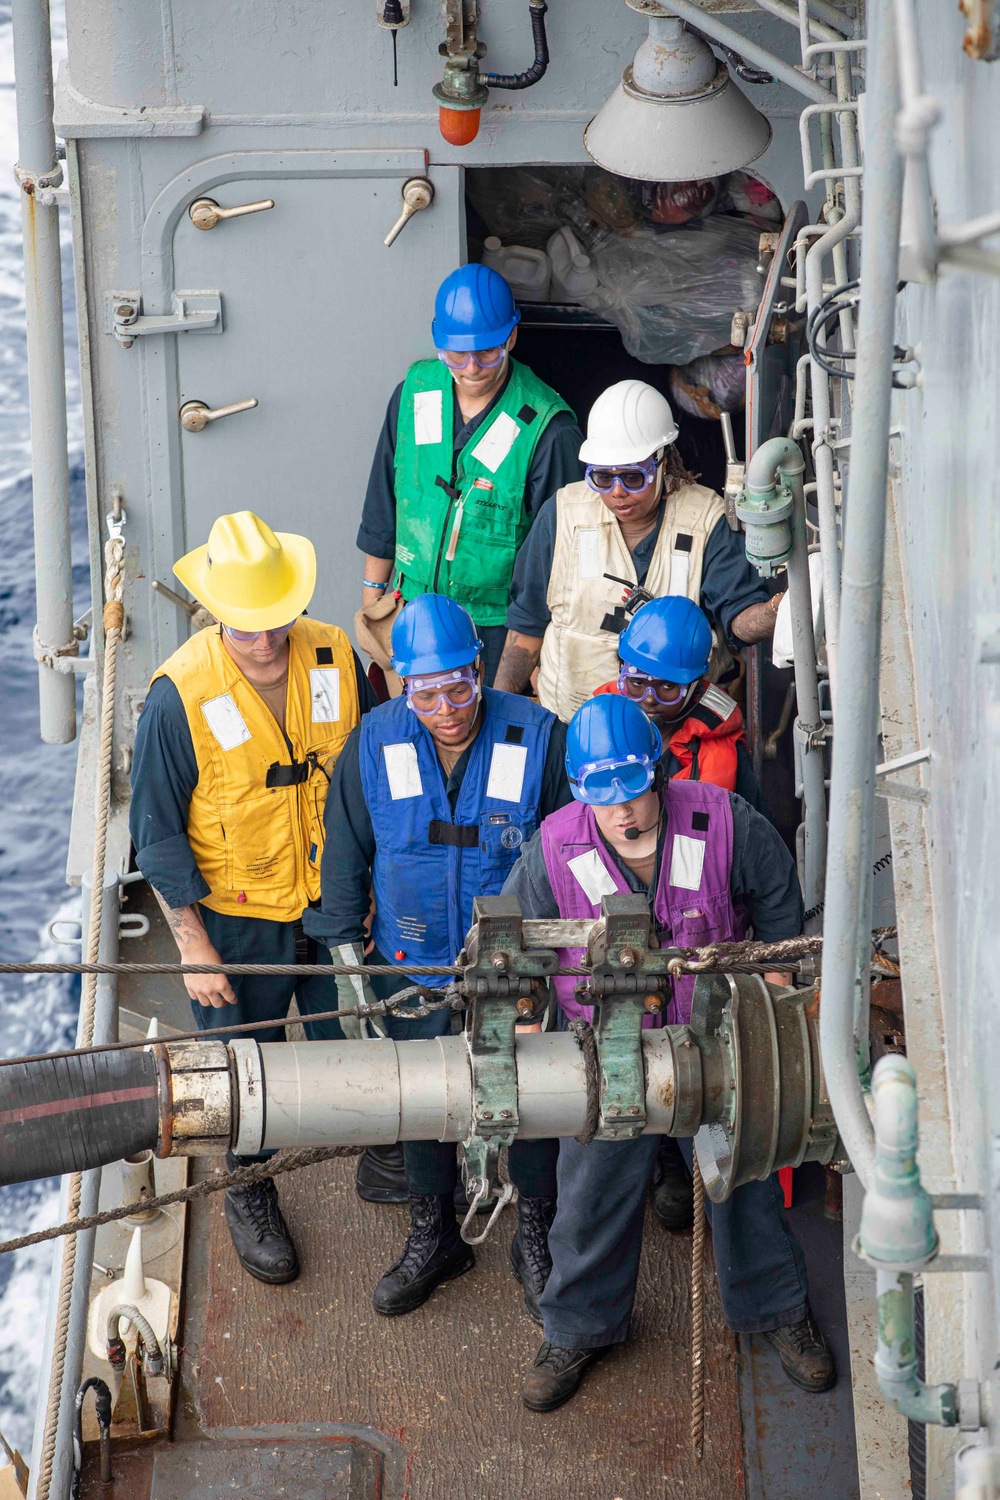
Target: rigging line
(114, 624)
(282, 1161)
(697, 1313)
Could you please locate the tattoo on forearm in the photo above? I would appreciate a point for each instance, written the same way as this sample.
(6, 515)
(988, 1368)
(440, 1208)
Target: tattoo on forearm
(754, 624)
(516, 665)
(184, 921)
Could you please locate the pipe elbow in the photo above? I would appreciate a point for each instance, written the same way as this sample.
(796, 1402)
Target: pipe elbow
(777, 454)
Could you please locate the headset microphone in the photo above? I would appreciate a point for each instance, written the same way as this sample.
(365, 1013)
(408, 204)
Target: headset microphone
(635, 833)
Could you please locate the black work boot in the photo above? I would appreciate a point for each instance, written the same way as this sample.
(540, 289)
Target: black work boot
(381, 1176)
(555, 1375)
(673, 1190)
(259, 1232)
(433, 1253)
(529, 1250)
(805, 1355)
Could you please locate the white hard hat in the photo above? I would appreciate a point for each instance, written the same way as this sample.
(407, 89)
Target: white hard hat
(628, 422)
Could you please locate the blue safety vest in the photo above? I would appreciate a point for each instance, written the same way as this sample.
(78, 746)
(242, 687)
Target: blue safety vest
(430, 863)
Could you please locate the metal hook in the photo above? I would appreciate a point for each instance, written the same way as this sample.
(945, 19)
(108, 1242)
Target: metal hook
(481, 1189)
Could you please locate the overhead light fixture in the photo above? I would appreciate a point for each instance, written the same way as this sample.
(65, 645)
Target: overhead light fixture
(676, 115)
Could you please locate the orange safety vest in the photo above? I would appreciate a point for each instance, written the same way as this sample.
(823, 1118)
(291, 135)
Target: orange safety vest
(705, 742)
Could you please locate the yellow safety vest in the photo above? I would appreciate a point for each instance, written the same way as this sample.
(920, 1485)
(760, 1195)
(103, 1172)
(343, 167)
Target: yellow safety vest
(255, 823)
(578, 654)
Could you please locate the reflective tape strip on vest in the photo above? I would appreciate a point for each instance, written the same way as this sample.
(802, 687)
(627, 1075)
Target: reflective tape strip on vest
(580, 646)
(428, 865)
(692, 905)
(705, 744)
(255, 822)
(464, 544)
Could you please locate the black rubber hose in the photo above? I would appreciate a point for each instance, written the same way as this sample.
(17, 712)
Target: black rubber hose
(541, 62)
(66, 1114)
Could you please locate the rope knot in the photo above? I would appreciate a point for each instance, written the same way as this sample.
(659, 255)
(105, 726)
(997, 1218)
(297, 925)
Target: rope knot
(114, 616)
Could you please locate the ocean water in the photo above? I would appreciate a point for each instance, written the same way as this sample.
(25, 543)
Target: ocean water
(35, 1014)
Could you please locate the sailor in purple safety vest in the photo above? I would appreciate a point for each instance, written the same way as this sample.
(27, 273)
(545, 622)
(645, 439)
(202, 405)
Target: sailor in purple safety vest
(712, 868)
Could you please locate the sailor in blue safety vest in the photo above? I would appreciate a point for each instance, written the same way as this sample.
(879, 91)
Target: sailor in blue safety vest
(711, 867)
(472, 446)
(433, 797)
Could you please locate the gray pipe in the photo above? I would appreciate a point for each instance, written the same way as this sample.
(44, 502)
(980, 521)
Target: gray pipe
(708, 23)
(782, 458)
(38, 168)
(843, 1019)
(832, 243)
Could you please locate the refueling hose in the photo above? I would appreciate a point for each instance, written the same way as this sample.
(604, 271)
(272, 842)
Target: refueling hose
(68, 1114)
(536, 9)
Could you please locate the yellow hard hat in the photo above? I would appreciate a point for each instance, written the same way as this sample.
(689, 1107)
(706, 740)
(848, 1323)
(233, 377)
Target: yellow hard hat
(249, 576)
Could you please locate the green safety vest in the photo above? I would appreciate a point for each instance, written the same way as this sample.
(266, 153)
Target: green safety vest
(491, 519)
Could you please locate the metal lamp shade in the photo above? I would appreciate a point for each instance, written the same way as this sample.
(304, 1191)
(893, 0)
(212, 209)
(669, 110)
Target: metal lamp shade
(676, 139)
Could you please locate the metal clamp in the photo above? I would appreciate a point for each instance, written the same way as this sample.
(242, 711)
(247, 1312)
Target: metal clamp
(505, 984)
(191, 312)
(629, 979)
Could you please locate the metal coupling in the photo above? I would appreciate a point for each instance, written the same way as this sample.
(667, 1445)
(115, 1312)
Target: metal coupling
(196, 1102)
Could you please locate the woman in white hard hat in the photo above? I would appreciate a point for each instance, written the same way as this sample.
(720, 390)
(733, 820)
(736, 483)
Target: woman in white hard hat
(638, 518)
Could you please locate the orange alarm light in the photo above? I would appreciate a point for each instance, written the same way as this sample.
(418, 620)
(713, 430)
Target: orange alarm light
(459, 126)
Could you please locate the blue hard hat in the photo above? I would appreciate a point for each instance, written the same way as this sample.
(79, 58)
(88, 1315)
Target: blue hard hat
(612, 751)
(433, 634)
(474, 309)
(669, 638)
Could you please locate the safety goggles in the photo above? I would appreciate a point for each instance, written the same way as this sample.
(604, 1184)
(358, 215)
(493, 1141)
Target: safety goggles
(604, 783)
(486, 359)
(245, 636)
(633, 478)
(457, 688)
(642, 688)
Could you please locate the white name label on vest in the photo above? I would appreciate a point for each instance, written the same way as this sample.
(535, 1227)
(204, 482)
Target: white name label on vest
(687, 862)
(324, 685)
(496, 442)
(589, 542)
(427, 421)
(591, 876)
(226, 722)
(506, 780)
(680, 572)
(403, 771)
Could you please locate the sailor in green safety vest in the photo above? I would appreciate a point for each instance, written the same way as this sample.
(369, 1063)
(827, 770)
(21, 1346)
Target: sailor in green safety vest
(472, 446)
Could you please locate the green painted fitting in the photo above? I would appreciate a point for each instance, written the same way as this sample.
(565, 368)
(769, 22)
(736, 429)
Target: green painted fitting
(897, 1219)
(765, 506)
(896, 1362)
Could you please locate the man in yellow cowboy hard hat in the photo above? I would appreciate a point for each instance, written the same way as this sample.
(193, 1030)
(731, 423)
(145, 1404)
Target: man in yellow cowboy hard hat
(235, 747)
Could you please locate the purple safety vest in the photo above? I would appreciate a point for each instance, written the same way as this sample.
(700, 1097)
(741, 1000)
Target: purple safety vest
(692, 905)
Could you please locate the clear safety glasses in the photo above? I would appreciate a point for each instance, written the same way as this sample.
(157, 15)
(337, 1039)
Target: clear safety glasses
(642, 688)
(633, 478)
(243, 637)
(457, 688)
(606, 782)
(486, 359)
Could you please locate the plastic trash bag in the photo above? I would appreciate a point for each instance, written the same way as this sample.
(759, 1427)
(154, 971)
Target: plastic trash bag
(673, 293)
(745, 194)
(711, 385)
(680, 202)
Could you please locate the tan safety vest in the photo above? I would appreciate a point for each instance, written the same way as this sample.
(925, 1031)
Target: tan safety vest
(255, 822)
(578, 655)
